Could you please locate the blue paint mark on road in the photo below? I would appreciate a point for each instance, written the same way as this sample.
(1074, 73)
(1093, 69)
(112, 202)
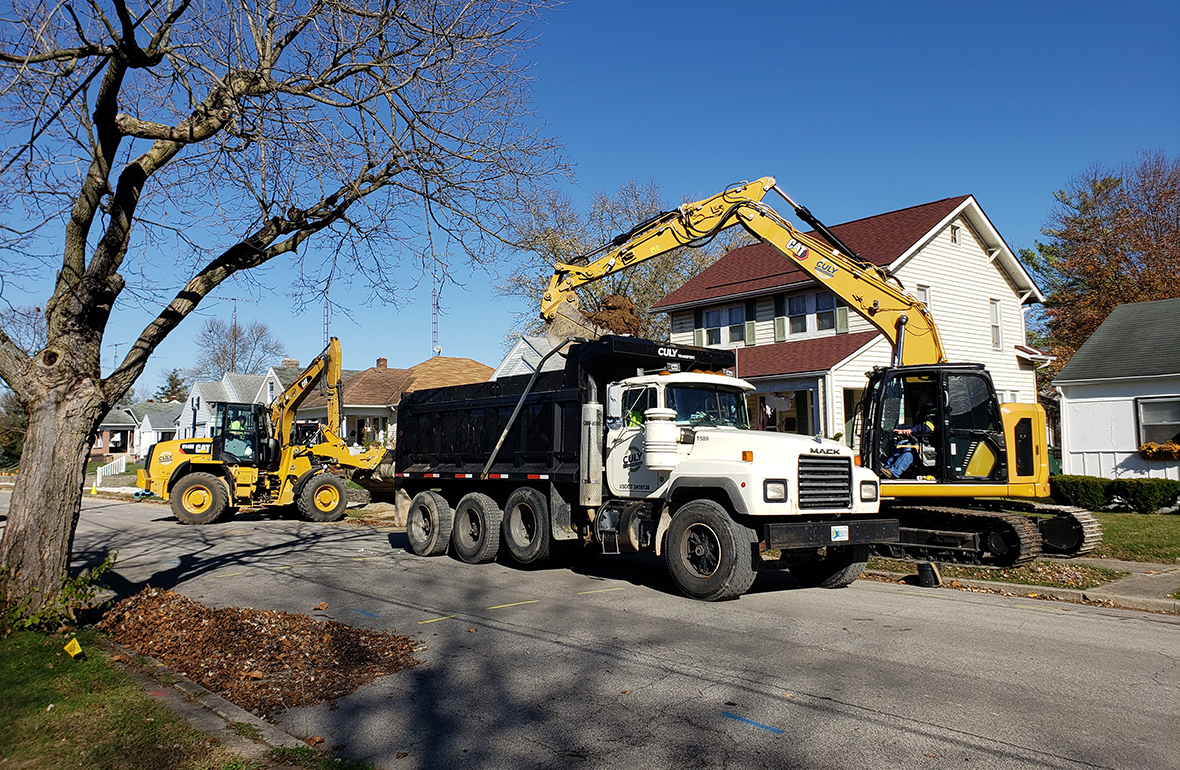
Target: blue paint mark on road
(171, 561)
(768, 728)
(366, 613)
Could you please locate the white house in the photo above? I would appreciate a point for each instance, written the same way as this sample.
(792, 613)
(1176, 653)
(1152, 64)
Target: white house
(524, 357)
(807, 354)
(157, 422)
(196, 418)
(1121, 390)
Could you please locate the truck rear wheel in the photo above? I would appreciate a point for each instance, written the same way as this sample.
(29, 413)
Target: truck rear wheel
(476, 535)
(324, 498)
(198, 498)
(836, 570)
(526, 526)
(428, 524)
(710, 556)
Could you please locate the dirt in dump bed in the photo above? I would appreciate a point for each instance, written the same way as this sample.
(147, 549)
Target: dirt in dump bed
(618, 315)
(262, 660)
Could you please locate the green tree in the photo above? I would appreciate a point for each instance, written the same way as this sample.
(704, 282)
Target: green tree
(1113, 238)
(322, 133)
(554, 231)
(173, 388)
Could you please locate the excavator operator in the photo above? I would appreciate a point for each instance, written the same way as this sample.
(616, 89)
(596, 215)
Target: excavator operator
(908, 441)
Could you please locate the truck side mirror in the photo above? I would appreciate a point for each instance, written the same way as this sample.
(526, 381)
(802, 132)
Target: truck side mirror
(614, 405)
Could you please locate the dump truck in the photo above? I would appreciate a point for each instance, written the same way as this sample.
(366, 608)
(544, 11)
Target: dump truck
(254, 457)
(636, 446)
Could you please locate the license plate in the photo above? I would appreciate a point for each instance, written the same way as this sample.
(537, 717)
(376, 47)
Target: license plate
(840, 533)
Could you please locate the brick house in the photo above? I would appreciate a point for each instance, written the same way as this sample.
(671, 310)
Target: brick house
(807, 353)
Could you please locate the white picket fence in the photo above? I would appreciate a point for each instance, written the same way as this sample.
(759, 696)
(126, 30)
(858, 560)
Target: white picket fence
(112, 469)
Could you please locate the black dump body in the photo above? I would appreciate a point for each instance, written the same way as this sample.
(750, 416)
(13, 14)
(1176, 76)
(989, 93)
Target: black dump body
(453, 431)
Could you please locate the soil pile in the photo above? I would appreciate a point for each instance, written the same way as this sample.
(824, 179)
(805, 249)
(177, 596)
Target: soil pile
(618, 315)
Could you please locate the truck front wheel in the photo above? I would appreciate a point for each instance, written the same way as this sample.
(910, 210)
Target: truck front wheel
(476, 537)
(324, 498)
(836, 570)
(198, 498)
(526, 526)
(428, 524)
(710, 556)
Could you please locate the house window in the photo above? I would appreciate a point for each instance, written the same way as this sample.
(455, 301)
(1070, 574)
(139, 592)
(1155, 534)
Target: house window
(956, 235)
(797, 310)
(923, 295)
(825, 311)
(270, 390)
(1159, 420)
(724, 325)
(997, 337)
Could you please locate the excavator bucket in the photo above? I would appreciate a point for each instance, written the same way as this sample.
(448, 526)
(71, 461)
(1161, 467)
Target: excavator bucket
(569, 323)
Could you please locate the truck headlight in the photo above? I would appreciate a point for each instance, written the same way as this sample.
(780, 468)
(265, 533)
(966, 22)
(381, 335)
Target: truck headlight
(774, 490)
(868, 491)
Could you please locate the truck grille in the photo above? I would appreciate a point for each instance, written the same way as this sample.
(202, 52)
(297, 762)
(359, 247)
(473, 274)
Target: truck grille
(825, 482)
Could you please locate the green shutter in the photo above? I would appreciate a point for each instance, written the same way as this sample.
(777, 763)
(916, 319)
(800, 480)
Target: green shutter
(751, 314)
(780, 317)
(841, 320)
(698, 337)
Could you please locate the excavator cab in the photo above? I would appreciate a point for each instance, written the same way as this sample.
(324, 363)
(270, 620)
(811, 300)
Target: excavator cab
(937, 423)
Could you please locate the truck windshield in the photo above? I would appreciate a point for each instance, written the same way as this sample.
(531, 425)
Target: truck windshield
(703, 405)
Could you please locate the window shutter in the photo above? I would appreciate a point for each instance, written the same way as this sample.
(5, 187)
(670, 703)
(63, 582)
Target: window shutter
(751, 313)
(842, 320)
(698, 328)
(780, 317)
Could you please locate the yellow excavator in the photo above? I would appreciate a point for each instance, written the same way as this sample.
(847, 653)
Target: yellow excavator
(969, 496)
(254, 458)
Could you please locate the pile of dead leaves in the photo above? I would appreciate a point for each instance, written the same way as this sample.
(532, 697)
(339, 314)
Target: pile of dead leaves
(264, 661)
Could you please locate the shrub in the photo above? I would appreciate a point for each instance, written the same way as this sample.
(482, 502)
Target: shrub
(1087, 492)
(1144, 495)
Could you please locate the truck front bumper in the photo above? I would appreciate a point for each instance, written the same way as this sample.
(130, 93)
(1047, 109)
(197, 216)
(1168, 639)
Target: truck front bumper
(817, 534)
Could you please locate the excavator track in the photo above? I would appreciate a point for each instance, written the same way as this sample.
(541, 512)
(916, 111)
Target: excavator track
(1066, 530)
(958, 535)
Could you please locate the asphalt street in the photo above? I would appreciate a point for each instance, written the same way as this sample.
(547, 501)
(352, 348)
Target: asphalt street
(603, 664)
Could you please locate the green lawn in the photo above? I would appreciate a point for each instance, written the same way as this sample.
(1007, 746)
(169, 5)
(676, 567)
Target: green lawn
(61, 712)
(1139, 537)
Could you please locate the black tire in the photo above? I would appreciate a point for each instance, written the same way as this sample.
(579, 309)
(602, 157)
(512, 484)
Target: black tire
(840, 568)
(476, 535)
(428, 524)
(324, 497)
(710, 556)
(198, 498)
(527, 529)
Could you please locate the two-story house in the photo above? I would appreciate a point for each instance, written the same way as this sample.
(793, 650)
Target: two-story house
(807, 353)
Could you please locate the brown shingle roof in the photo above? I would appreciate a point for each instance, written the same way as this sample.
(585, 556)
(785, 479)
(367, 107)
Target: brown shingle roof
(812, 355)
(376, 386)
(758, 268)
(443, 371)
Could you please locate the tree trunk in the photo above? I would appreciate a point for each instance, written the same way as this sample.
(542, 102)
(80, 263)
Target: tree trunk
(47, 497)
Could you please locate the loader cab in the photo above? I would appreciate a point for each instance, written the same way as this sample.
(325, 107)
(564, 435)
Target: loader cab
(241, 436)
(967, 442)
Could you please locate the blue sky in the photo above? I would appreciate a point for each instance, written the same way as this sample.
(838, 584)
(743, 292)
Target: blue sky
(857, 108)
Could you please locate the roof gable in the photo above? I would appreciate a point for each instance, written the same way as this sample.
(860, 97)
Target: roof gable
(1141, 339)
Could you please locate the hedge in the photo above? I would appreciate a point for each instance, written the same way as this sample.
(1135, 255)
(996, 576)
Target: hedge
(1143, 495)
(1094, 493)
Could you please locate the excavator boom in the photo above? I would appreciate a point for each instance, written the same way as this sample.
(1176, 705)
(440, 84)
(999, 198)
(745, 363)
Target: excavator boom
(867, 288)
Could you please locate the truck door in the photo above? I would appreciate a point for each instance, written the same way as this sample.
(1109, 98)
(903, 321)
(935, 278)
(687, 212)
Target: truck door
(975, 440)
(626, 474)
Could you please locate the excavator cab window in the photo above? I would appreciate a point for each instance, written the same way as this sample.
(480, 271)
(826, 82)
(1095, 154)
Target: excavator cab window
(908, 429)
(976, 437)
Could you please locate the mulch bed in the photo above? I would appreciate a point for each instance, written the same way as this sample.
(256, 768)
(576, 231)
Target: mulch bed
(262, 660)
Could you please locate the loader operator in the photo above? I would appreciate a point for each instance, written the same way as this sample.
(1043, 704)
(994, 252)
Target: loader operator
(908, 441)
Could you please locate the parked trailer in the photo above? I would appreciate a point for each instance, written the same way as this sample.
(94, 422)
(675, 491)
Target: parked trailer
(636, 446)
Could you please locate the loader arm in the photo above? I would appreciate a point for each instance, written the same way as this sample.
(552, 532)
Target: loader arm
(863, 286)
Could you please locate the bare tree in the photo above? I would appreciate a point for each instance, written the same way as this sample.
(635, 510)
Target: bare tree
(230, 133)
(553, 231)
(230, 347)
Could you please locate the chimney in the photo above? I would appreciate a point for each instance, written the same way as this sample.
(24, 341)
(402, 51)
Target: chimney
(382, 363)
(291, 362)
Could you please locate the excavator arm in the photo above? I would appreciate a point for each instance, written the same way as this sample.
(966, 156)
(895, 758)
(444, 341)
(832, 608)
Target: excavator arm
(324, 366)
(863, 286)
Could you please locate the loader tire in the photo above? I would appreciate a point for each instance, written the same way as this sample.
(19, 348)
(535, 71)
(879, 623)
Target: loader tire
(324, 497)
(837, 570)
(710, 556)
(526, 526)
(476, 534)
(428, 524)
(198, 498)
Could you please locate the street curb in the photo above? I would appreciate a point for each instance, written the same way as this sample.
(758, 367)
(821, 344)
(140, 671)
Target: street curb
(196, 705)
(1072, 595)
